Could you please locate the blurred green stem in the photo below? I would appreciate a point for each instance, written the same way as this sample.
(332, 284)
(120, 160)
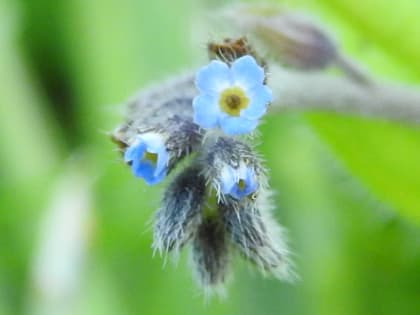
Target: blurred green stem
(317, 91)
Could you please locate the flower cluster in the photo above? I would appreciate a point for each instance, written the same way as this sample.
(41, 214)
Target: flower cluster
(220, 199)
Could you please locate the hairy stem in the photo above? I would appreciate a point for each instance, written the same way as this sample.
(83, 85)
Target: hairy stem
(318, 91)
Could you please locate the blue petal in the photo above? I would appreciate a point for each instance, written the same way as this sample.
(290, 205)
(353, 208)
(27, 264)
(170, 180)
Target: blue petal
(247, 73)
(147, 171)
(251, 184)
(236, 193)
(134, 152)
(237, 125)
(213, 78)
(260, 97)
(157, 178)
(206, 110)
(143, 169)
(227, 179)
(162, 162)
(154, 142)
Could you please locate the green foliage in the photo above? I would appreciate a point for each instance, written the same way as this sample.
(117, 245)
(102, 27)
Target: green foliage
(382, 155)
(347, 187)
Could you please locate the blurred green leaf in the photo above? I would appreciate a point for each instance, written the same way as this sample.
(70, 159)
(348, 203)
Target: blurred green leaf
(384, 156)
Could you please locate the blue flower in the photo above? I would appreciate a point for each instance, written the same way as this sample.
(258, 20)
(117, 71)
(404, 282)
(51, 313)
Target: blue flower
(148, 158)
(232, 98)
(238, 183)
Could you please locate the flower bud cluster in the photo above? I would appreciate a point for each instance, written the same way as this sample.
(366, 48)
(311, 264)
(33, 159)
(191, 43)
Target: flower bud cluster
(219, 202)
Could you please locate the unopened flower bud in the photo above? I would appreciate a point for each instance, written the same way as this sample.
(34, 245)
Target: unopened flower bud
(294, 39)
(179, 215)
(256, 235)
(210, 256)
(154, 153)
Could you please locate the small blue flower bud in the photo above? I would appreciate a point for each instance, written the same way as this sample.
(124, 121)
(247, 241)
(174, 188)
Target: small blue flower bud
(180, 212)
(157, 149)
(238, 183)
(231, 166)
(148, 157)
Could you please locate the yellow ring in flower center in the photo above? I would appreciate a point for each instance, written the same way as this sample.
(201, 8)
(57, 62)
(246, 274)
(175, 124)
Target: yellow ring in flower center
(152, 157)
(233, 100)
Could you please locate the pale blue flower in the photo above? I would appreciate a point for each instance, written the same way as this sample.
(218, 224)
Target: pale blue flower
(231, 98)
(238, 183)
(148, 158)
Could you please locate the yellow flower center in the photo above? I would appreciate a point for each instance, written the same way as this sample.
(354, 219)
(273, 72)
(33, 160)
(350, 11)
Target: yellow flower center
(151, 157)
(233, 100)
(241, 184)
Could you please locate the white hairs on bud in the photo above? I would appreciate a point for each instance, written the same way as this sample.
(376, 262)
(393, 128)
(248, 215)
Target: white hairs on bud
(210, 257)
(257, 235)
(179, 216)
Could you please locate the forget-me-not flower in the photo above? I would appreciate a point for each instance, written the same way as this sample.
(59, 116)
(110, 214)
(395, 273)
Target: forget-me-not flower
(148, 157)
(232, 98)
(238, 183)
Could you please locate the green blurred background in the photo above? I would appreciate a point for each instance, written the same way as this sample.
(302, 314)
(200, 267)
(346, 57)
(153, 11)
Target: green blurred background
(348, 188)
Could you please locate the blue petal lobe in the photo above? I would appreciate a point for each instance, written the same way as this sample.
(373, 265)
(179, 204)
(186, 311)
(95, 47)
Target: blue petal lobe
(227, 179)
(259, 97)
(143, 169)
(213, 78)
(162, 162)
(237, 125)
(146, 170)
(154, 142)
(134, 152)
(236, 193)
(157, 178)
(251, 184)
(246, 72)
(206, 110)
